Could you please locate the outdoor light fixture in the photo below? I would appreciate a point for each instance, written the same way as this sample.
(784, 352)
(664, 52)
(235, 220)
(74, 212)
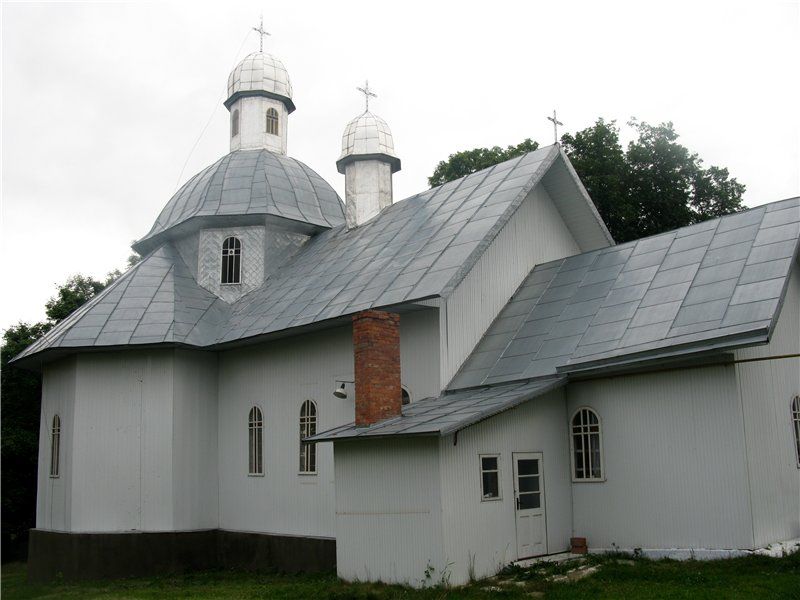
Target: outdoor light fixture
(340, 392)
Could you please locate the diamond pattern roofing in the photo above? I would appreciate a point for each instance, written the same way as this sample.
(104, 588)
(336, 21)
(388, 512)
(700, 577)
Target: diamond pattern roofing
(719, 282)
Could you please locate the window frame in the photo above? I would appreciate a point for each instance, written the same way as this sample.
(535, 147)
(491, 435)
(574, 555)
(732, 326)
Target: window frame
(405, 389)
(235, 123)
(308, 427)
(794, 408)
(233, 257)
(272, 117)
(55, 447)
(573, 434)
(255, 442)
(499, 472)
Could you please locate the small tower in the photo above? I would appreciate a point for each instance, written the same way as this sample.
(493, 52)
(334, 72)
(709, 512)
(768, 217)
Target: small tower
(367, 162)
(259, 101)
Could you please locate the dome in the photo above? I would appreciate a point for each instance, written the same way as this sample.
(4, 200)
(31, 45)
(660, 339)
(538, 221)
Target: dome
(368, 136)
(249, 183)
(260, 72)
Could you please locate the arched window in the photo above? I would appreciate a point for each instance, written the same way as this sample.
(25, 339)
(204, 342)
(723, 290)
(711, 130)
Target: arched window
(308, 427)
(231, 260)
(272, 121)
(796, 426)
(255, 426)
(55, 445)
(406, 396)
(235, 123)
(587, 446)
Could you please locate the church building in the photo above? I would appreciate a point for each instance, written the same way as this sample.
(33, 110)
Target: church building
(420, 390)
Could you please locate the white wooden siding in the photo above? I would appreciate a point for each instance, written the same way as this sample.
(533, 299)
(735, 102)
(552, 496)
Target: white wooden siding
(484, 532)
(388, 511)
(674, 462)
(122, 454)
(194, 457)
(766, 389)
(53, 499)
(536, 234)
(279, 376)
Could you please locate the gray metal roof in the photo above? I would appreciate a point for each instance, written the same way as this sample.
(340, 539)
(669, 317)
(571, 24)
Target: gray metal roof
(415, 249)
(250, 182)
(450, 412)
(716, 284)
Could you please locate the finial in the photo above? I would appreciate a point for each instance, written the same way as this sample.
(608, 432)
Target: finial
(367, 93)
(261, 34)
(556, 123)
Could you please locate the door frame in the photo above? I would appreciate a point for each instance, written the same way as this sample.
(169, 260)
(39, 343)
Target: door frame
(539, 455)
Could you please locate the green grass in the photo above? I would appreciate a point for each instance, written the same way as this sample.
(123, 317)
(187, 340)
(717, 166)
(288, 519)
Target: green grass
(616, 577)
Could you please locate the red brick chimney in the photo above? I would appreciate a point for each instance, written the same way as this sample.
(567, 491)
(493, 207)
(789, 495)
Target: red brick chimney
(376, 352)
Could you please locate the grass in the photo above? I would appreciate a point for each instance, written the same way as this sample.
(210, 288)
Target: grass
(614, 577)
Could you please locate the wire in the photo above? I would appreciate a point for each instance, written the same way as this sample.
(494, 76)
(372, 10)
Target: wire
(211, 117)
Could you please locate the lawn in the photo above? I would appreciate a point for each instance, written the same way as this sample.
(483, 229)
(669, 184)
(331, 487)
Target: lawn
(595, 577)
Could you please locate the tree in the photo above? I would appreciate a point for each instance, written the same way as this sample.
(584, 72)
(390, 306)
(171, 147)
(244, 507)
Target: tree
(77, 290)
(655, 185)
(464, 163)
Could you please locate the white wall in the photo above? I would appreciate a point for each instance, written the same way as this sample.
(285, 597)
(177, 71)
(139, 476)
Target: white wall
(388, 511)
(253, 124)
(766, 388)
(535, 234)
(674, 457)
(368, 190)
(53, 499)
(194, 425)
(487, 530)
(122, 454)
(278, 377)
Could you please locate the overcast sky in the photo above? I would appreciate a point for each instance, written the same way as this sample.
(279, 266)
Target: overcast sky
(103, 102)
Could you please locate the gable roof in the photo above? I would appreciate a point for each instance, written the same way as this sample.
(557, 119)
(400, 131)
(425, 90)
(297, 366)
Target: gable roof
(448, 413)
(416, 249)
(716, 284)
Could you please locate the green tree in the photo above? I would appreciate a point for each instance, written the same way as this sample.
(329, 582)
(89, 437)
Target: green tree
(76, 291)
(654, 185)
(464, 163)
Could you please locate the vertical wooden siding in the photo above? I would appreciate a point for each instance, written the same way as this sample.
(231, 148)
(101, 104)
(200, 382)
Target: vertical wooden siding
(766, 389)
(535, 234)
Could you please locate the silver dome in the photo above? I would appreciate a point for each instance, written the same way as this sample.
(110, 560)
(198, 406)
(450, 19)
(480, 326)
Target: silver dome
(367, 135)
(261, 72)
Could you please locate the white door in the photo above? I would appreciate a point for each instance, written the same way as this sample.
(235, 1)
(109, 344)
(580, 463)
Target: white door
(529, 504)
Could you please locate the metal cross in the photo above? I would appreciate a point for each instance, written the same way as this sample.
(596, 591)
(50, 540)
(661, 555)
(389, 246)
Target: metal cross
(556, 123)
(261, 33)
(367, 93)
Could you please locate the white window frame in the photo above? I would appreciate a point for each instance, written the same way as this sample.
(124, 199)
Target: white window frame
(794, 406)
(255, 442)
(273, 117)
(408, 393)
(230, 256)
(235, 123)
(308, 427)
(499, 472)
(573, 433)
(55, 447)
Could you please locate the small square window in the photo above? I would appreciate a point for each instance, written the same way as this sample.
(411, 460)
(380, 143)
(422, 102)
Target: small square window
(490, 477)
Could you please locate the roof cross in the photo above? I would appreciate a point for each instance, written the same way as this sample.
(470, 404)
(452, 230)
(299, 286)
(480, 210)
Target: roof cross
(556, 123)
(367, 93)
(261, 33)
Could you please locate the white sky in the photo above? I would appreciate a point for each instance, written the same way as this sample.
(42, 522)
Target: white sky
(102, 102)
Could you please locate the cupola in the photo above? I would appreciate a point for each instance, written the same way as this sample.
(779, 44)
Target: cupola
(367, 162)
(259, 102)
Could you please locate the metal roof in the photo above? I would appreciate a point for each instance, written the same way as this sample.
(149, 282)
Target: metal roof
(416, 249)
(450, 412)
(716, 284)
(250, 182)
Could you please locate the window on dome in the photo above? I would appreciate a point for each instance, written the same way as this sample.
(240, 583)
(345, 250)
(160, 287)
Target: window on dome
(235, 123)
(231, 261)
(272, 121)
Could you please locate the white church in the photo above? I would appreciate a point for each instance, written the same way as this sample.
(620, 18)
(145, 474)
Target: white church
(416, 390)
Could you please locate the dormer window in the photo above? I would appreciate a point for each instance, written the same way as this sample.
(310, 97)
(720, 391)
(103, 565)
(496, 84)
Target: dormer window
(272, 121)
(235, 123)
(231, 261)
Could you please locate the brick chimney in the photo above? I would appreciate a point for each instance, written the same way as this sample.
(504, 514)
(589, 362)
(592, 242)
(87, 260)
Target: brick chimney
(376, 353)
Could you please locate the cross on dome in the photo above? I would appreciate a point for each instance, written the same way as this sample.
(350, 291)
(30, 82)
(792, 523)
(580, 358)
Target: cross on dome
(261, 33)
(367, 93)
